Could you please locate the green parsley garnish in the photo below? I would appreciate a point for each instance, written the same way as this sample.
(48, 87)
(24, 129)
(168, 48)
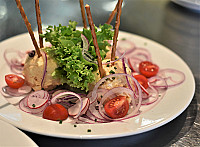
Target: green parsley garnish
(112, 72)
(33, 105)
(60, 122)
(108, 65)
(115, 68)
(89, 130)
(123, 38)
(113, 78)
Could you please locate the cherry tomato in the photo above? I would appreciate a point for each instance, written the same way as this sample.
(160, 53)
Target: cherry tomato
(117, 107)
(142, 80)
(14, 81)
(55, 112)
(148, 69)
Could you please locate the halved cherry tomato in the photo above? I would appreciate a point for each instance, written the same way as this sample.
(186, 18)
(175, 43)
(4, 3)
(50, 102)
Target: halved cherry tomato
(142, 80)
(148, 69)
(14, 81)
(55, 112)
(117, 107)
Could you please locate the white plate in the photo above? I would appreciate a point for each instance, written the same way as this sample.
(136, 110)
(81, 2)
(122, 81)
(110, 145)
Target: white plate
(192, 4)
(173, 104)
(11, 136)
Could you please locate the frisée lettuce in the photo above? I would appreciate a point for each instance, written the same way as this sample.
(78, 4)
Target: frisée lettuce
(67, 48)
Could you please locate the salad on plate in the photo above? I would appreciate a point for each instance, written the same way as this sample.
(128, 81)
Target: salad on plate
(86, 75)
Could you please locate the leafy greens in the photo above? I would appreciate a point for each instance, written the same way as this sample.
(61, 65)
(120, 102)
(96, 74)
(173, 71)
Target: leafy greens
(67, 48)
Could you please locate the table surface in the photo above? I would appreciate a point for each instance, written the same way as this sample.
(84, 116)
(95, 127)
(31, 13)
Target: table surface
(163, 21)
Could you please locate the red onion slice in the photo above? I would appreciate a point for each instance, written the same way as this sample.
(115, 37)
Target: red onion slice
(134, 109)
(54, 100)
(139, 53)
(134, 64)
(110, 62)
(8, 91)
(24, 107)
(152, 97)
(25, 89)
(44, 55)
(93, 113)
(100, 93)
(158, 82)
(125, 46)
(37, 99)
(85, 120)
(173, 77)
(86, 55)
(74, 110)
(15, 60)
(94, 92)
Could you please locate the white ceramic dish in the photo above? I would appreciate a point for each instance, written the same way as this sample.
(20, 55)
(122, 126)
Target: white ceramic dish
(191, 4)
(172, 105)
(11, 136)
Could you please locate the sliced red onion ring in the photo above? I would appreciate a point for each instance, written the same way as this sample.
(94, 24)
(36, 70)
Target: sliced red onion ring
(173, 77)
(152, 97)
(158, 82)
(93, 113)
(125, 46)
(133, 111)
(95, 117)
(134, 64)
(139, 53)
(7, 91)
(86, 55)
(124, 67)
(15, 62)
(94, 92)
(100, 93)
(110, 62)
(54, 100)
(25, 89)
(74, 110)
(85, 120)
(44, 55)
(24, 107)
(37, 99)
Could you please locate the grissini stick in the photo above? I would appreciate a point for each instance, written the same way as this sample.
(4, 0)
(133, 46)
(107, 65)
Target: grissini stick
(83, 14)
(28, 25)
(92, 28)
(116, 32)
(112, 14)
(39, 23)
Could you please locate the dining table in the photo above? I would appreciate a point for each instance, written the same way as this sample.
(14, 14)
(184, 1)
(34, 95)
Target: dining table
(172, 25)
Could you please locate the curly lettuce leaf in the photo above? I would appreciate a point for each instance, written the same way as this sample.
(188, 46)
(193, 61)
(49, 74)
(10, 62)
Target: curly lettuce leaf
(67, 47)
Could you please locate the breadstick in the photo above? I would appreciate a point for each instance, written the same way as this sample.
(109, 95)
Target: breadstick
(92, 28)
(39, 23)
(117, 24)
(112, 14)
(83, 14)
(28, 25)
